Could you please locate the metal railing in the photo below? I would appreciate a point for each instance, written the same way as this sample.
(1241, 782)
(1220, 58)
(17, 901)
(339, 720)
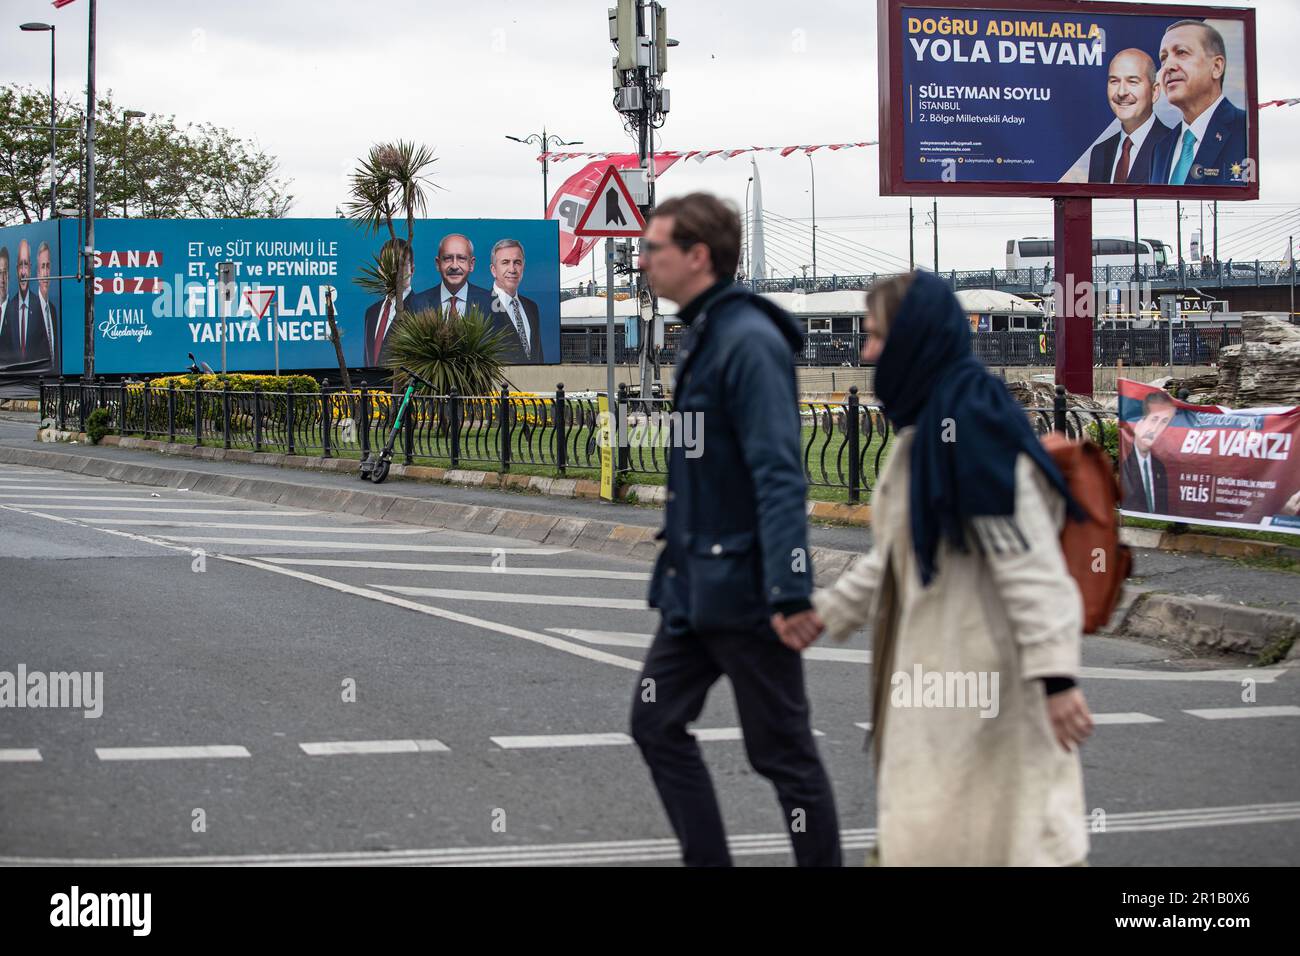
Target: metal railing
(1017, 347)
(1223, 274)
(843, 443)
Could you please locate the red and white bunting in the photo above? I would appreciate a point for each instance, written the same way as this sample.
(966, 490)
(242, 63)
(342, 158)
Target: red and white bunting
(700, 155)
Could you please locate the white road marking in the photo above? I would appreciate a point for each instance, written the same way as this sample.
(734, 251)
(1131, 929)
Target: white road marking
(1125, 718)
(308, 529)
(537, 741)
(725, 733)
(715, 733)
(183, 511)
(579, 573)
(544, 639)
(20, 755)
(331, 748)
(364, 545)
(202, 752)
(511, 597)
(37, 479)
(610, 739)
(26, 496)
(649, 850)
(842, 655)
(608, 638)
(43, 491)
(1231, 713)
(864, 724)
(1261, 675)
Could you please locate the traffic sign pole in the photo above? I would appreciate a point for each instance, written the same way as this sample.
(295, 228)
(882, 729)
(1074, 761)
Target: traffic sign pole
(613, 214)
(609, 330)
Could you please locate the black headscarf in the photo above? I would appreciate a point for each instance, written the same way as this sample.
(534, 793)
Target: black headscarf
(969, 430)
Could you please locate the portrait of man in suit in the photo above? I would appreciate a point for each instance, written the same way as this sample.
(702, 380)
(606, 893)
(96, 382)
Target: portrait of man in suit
(49, 311)
(1131, 91)
(1209, 147)
(1143, 478)
(25, 337)
(4, 306)
(455, 294)
(513, 314)
(382, 315)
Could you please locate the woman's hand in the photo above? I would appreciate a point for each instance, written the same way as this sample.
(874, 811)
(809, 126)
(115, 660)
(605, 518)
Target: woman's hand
(1070, 717)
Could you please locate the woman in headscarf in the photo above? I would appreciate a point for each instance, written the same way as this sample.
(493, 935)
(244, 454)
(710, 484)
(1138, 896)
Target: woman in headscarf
(976, 718)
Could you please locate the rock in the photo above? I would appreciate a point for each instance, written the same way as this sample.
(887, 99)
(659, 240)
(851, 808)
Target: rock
(1268, 328)
(1264, 369)
(1197, 386)
(1042, 394)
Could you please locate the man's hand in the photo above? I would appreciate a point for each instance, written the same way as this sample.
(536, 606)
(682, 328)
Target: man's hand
(798, 630)
(1070, 717)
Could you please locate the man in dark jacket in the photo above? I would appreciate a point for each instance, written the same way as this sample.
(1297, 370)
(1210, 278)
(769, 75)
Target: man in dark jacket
(735, 544)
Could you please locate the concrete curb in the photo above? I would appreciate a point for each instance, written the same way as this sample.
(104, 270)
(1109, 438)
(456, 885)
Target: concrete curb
(655, 495)
(1213, 545)
(1204, 626)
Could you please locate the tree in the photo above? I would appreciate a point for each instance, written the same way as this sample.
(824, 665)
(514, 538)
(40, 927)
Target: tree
(159, 169)
(391, 181)
(25, 153)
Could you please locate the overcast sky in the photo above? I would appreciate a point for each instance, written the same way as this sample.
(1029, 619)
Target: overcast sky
(316, 81)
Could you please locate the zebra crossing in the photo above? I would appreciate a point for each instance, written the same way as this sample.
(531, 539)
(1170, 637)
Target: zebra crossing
(585, 615)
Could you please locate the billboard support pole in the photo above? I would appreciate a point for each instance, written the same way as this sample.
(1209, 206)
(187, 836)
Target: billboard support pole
(1073, 267)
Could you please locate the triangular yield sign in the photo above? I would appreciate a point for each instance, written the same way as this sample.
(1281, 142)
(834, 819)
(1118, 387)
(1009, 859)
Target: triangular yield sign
(266, 294)
(611, 211)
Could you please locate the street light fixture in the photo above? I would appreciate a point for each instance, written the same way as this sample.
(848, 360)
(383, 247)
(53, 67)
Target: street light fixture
(545, 142)
(44, 28)
(126, 129)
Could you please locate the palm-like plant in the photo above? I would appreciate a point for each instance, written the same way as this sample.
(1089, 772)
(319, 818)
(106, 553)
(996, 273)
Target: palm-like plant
(449, 351)
(393, 180)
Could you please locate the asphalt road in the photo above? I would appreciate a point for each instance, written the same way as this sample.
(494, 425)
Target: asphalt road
(492, 684)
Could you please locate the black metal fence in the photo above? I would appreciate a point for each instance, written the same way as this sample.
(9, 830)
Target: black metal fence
(1225, 274)
(1017, 347)
(843, 443)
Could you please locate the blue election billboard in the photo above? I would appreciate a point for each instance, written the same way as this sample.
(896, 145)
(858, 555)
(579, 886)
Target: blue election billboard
(158, 296)
(1054, 98)
(30, 305)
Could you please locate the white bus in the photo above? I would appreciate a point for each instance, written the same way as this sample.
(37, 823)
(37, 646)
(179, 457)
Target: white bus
(1036, 252)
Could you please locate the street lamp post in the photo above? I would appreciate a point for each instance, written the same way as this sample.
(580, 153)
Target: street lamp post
(88, 363)
(545, 142)
(42, 28)
(813, 176)
(127, 116)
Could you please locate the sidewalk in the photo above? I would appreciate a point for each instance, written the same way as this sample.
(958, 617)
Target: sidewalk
(1198, 603)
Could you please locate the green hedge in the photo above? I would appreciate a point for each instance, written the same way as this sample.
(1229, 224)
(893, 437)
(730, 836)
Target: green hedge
(238, 382)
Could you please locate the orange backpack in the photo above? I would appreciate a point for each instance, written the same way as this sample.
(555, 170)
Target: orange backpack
(1097, 559)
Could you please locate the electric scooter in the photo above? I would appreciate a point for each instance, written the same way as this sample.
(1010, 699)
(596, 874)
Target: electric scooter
(376, 464)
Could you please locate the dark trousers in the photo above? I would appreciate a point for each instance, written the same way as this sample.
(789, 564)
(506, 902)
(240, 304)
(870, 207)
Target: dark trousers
(767, 678)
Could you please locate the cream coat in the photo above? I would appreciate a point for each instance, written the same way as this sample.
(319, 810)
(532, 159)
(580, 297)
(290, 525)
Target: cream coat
(955, 788)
